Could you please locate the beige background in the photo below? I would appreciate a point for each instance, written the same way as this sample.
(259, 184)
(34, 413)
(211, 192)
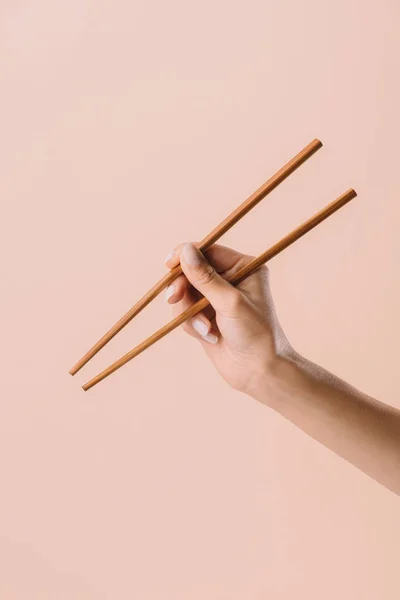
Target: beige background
(127, 127)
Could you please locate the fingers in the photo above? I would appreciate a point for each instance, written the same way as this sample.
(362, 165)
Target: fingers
(205, 275)
(200, 325)
(176, 290)
(172, 259)
(224, 260)
(204, 278)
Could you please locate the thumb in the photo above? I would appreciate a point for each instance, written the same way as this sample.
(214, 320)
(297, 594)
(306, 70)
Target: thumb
(206, 280)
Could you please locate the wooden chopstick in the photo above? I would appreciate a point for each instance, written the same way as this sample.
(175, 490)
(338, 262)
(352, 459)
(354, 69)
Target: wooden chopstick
(210, 239)
(235, 279)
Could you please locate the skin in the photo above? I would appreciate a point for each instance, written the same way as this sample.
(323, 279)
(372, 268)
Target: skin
(242, 337)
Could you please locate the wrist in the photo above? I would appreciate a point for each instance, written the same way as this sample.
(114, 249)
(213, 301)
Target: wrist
(276, 379)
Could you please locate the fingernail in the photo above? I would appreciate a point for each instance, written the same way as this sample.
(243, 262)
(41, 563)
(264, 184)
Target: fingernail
(169, 256)
(170, 291)
(201, 327)
(211, 338)
(191, 255)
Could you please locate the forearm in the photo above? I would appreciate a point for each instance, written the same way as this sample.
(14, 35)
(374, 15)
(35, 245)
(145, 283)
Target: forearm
(357, 427)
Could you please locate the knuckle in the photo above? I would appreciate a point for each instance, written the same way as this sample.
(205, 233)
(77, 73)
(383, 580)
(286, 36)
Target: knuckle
(205, 275)
(264, 272)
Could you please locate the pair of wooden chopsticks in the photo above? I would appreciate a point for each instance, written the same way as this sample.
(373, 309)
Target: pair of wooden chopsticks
(210, 239)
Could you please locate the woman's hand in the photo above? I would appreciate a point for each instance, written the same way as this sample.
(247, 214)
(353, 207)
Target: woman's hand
(239, 331)
(241, 335)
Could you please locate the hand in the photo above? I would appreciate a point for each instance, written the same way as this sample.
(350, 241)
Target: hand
(242, 336)
(239, 332)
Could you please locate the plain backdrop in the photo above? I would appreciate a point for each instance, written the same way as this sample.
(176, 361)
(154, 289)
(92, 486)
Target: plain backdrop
(125, 128)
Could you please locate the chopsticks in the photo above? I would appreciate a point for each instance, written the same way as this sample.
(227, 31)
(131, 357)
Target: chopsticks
(235, 279)
(210, 239)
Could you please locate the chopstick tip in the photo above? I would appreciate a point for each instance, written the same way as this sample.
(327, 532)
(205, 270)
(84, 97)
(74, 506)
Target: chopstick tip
(77, 367)
(89, 384)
